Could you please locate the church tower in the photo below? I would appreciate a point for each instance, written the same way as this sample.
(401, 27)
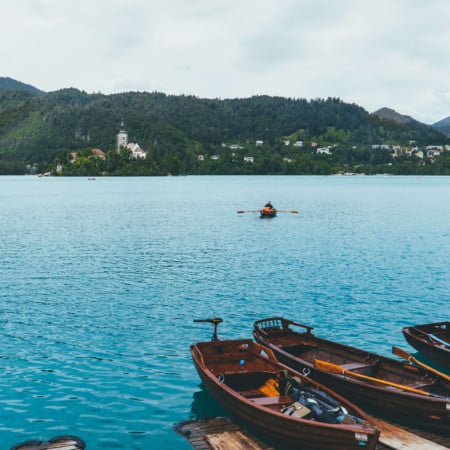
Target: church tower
(121, 137)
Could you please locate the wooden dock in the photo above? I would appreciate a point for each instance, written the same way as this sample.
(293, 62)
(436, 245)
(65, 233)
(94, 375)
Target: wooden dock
(393, 437)
(220, 433)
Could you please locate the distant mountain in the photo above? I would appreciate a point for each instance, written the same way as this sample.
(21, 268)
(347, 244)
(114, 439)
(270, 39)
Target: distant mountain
(443, 126)
(14, 85)
(390, 114)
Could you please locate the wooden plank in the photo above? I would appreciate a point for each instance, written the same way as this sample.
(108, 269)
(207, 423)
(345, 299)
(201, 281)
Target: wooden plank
(218, 433)
(399, 439)
(231, 440)
(356, 366)
(277, 400)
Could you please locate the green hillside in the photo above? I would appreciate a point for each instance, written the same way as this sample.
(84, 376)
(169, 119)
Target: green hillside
(42, 128)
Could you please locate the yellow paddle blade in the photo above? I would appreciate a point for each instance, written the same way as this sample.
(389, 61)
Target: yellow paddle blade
(328, 367)
(405, 355)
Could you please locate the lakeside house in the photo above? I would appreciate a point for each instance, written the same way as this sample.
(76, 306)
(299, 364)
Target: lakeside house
(98, 153)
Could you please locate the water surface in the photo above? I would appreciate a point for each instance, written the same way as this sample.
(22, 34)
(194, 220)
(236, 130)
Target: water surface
(100, 281)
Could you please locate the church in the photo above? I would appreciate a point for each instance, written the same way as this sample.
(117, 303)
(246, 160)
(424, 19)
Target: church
(122, 142)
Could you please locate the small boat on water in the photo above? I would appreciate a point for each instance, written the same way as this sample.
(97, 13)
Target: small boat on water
(267, 212)
(277, 402)
(403, 392)
(432, 340)
(66, 442)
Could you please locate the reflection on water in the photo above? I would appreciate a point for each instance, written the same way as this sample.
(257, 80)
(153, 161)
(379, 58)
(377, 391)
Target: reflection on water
(204, 405)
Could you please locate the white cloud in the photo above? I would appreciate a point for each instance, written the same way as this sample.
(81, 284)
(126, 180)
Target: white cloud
(378, 54)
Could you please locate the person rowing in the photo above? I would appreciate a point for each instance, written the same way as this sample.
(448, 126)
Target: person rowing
(268, 210)
(268, 206)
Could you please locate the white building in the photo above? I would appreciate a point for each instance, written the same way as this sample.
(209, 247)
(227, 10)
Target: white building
(136, 151)
(323, 151)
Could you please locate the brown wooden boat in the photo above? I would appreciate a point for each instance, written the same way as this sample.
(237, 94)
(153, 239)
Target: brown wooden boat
(267, 213)
(277, 402)
(402, 392)
(432, 340)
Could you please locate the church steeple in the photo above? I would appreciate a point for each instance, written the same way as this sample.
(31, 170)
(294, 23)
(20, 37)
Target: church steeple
(121, 137)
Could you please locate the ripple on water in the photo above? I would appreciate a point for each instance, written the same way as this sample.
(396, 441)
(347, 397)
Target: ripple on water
(102, 280)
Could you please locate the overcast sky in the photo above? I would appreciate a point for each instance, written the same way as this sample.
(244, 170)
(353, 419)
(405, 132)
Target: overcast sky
(393, 53)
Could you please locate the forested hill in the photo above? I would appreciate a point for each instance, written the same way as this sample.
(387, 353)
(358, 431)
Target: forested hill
(36, 126)
(10, 84)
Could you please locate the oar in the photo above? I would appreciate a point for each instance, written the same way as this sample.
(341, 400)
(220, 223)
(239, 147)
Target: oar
(334, 368)
(277, 210)
(405, 355)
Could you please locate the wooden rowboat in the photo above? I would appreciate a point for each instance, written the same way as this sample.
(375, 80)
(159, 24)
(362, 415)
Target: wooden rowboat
(402, 392)
(432, 340)
(238, 372)
(268, 213)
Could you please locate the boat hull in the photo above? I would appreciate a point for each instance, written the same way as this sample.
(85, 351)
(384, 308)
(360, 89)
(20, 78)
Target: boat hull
(267, 213)
(430, 339)
(277, 427)
(422, 411)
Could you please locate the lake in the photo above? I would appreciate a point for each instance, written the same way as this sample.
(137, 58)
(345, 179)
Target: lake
(101, 280)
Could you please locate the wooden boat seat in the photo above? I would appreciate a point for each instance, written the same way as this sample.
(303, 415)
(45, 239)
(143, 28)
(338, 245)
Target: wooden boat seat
(298, 349)
(277, 400)
(251, 393)
(419, 384)
(357, 366)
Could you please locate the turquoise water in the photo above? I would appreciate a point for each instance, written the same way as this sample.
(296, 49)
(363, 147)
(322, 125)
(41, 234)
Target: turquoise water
(100, 281)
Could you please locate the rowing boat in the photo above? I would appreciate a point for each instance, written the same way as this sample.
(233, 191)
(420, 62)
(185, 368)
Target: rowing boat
(386, 386)
(286, 407)
(268, 212)
(432, 340)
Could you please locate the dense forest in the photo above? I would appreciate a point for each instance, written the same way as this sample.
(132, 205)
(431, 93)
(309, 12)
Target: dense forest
(39, 131)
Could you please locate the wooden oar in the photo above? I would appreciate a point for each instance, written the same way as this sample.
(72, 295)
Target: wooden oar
(277, 210)
(405, 355)
(334, 368)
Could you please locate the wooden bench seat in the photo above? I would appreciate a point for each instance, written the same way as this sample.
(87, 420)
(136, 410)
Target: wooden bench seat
(356, 366)
(277, 400)
(419, 384)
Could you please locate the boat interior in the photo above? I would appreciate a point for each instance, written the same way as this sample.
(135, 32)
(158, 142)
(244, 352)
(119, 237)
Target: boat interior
(439, 333)
(370, 365)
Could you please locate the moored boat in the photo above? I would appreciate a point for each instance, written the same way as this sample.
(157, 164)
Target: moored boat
(277, 402)
(402, 392)
(432, 340)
